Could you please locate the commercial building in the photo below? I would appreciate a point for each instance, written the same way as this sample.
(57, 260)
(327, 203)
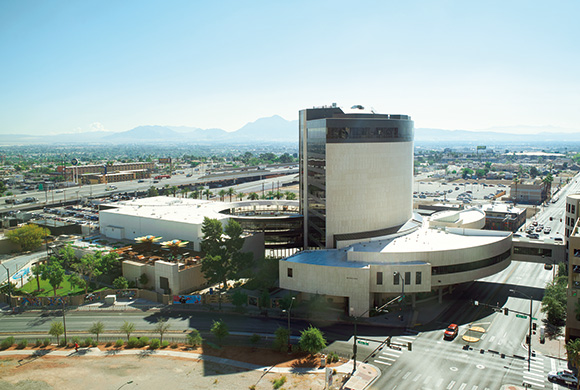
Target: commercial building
(573, 294)
(99, 173)
(356, 197)
(572, 213)
(356, 175)
(529, 192)
(501, 216)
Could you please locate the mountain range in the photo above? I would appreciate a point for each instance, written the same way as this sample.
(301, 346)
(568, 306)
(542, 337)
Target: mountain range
(277, 129)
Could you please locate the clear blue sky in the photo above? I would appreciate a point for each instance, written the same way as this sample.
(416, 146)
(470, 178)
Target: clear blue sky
(71, 66)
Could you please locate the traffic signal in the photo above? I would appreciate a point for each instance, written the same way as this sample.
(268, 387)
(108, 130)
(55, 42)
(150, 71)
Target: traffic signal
(410, 346)
(389, 341)
(506, 311)
(533, 326)
(528, 339)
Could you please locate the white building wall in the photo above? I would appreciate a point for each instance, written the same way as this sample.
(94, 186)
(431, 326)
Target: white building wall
(339, 281)
(368, 186)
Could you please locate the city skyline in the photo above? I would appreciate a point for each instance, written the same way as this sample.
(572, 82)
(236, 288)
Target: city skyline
(85, 66)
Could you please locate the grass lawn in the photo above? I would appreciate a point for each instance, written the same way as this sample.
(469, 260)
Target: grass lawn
(46, 288)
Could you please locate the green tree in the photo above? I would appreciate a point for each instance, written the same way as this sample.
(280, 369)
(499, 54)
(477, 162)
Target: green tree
(573, 351)
(97, 328)
(66, 255)
(207, 193)
(88, 266)
(223, 257)
(54, 273)
(194, 338)
(161, 327)
(173, 190)
(222, 193)
(290, 195)
(128, 328)
(28, 237)
(554, 301)
(152, 191)
(312, 340)
(121, 283)
(547, 181)
(78, 282)
(56, 330)
(253, 196)
(281, 338)
(534, 172)
(37, 272)
(220, 330)
(144, 279)
(465, 172)
(239, 299)
(231, 192)
(109, 263)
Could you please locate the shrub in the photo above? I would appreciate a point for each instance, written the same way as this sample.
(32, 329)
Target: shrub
(174, 345)
(7, 342)
(143, 342)
(88, 342)
(38, 343)
(76, 339)
(108, 344)
(119, 343)
(46, 342)
(165, 344)
(255, 338)
(155, 343)
(332, 357)
(133, 342)
(277, 383)
(194, 338)
(22, 344)
(62, 343)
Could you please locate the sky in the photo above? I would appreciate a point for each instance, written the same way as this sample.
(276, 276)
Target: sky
(78, 66)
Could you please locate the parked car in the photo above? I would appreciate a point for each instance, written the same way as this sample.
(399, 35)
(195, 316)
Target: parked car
(564, 376)
(534, 235)
(451, 332)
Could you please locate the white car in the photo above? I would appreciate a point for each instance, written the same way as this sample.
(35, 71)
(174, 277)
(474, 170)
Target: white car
(564, 376)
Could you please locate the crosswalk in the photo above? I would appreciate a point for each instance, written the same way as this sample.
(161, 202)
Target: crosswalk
(405, 376)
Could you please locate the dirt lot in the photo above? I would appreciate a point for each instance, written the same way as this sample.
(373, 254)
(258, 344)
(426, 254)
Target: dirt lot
(151, 372)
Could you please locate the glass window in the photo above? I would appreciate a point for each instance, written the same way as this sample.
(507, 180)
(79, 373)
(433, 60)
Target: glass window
(379, 278)
(289, 272)
(418, 277)
(407, 278)
(396, 278)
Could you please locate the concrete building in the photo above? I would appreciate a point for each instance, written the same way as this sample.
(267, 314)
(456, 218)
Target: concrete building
(356, 174)
(573, 293)
(501, 216)
(572, 213)
(528, 192)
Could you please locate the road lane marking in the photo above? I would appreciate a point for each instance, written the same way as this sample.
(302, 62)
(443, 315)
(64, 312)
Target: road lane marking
(463, 386)
(386, 358)
(380, 362)
(407, 375)
(417, 378)
(450, 385)
(439, 383)
(533, 373)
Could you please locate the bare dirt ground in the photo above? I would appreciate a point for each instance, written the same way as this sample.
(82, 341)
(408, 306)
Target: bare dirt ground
(155, 372)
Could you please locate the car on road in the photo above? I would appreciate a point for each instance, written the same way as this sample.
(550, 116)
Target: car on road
(534, 235)
(140, 181)
(564, 376)
(58, 191)
(451, 332)
(547, 230)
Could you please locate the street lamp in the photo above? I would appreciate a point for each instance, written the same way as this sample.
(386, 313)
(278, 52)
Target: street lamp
(354, 346)
(530, 330)
(9, 285)
(127, 383)
(288, 312)
(402, 291)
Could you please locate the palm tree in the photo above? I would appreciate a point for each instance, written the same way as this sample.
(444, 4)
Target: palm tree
(97, 328)
(37, 271)
(515, 195)
(231, 192)
(184, 192)
(222, 193)
(241, 196)
(270, 195)
(290, 195)
(278, 195)
(194, 194)
(573, 350)
(253, 196)
(173, 190)
(128, 328)
(207, 193)
(548, 184)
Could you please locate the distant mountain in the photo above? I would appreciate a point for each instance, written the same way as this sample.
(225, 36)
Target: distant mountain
(268, 129)
(483, 137)
(278, 129)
